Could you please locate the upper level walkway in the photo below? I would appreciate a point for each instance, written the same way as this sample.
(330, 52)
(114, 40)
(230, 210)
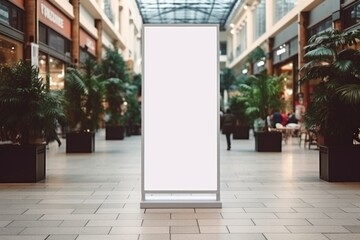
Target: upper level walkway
(273, 196)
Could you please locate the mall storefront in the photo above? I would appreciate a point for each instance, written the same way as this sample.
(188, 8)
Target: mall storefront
(11, 31)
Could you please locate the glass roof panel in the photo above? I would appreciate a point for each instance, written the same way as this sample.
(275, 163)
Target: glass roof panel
(185, 11)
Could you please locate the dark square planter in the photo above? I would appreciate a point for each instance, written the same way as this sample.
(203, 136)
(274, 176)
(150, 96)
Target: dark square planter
(268, 141)
(80, 142)
(339, 163)
(241, 132)
(22, 163)
(114, 132)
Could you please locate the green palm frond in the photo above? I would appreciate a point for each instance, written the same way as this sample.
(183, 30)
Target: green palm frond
(349, 94)
(320, 54)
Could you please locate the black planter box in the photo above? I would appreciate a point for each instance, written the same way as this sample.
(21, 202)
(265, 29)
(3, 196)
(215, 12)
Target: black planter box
(339, 163)
(268, 141)
(80, 142)
(114, 132)
(22, 163)
(241, 132)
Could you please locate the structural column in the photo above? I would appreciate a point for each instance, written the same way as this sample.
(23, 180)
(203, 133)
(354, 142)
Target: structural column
(75, 33)
(269, 59)
(303, 20)
(336, 15)
(98, 25)
(30, 27)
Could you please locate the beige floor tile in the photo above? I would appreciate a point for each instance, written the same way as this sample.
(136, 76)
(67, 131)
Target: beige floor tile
(140, 230)
(185, 229)
(66, 230)
(108, 237)
(172, 222)
(317, 229)
(343, 236)
(334, 222)
(154, 237)
(217, 237)
(285, 236)
(62, 237)
(257, 229)
(223, 222)
(214, 229)
(281, 222)
(114, 223)
(35, 223)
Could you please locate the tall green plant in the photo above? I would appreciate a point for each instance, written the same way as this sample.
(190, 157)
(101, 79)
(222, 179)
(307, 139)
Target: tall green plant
(83, 94)
(262, 95)
(27, 108)
(118, 87)
(335, 106)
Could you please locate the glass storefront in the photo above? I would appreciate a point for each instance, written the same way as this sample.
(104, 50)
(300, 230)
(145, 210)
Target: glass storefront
(52, 70)
(287, 71)
(11, 51)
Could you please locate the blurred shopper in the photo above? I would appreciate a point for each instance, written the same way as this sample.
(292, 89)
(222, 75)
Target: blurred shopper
(228, 123)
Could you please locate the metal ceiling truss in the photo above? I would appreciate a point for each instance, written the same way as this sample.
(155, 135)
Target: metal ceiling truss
(185, 11)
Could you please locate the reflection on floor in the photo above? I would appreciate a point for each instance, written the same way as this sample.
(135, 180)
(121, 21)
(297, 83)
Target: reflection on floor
(273, 196)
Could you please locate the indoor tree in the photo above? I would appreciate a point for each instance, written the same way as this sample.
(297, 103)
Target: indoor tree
(333, 61)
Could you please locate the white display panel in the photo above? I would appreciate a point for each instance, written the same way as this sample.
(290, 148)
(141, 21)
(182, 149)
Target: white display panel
(180, 108)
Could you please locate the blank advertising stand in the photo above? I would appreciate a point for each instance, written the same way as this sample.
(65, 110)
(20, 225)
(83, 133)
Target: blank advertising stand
(180, 110)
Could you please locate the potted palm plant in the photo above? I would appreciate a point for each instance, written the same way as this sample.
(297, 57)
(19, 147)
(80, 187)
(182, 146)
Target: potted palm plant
(28, 118)
(114, 95)
(83, 94)
(117, 86)
(263, 94)
(334, 111)
(237, 105)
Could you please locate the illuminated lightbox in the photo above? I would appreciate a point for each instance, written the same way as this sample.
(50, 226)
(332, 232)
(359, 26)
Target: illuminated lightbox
(180, 160)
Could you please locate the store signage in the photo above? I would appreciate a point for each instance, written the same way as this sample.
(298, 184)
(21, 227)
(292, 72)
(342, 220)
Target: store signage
(281, 50)
(88, 42)
(53, 18)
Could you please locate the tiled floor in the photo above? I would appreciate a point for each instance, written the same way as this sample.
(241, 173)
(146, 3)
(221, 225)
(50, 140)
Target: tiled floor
(274, 196)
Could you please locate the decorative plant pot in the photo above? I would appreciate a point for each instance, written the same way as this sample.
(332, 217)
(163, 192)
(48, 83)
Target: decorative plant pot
(80, 142)
(241, 132)
(137, 129)
(339, 163)
(22, 163)
(114, 132)
(268, 141)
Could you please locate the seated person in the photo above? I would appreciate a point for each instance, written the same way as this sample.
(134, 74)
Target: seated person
(292, 119)
(276, 118)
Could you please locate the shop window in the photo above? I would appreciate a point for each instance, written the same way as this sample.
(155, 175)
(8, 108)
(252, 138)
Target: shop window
(52, 70)
(53, 39)
(223, 48)
(282, 7)
(11, 15)
(56, 74)
(352, 15)
(56, 41)
(259, 20)
(84, 55)
(322, 26)
(10, 51)
(42, 34)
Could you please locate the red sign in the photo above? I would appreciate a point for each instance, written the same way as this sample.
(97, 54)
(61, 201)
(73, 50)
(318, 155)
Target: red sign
(88, 42)
(55, 19)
